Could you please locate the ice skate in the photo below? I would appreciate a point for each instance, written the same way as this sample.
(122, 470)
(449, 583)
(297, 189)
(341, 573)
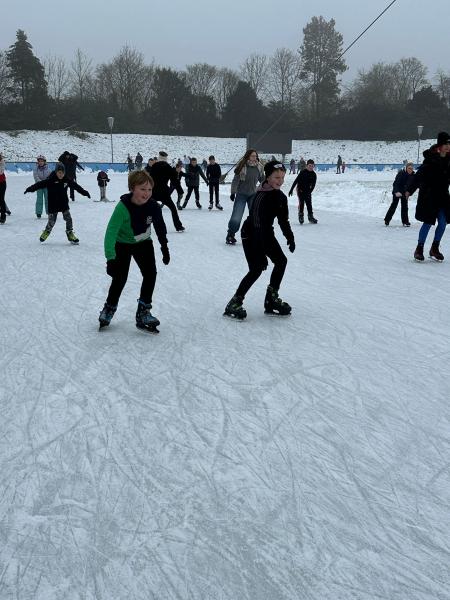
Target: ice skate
(72, 237)
(435, 253)
(44, 235)
(301, 218)
(219, 207)
(230, 239)
(273, 305)
(235, 309)
(210, 207)
(418, 253)
(198, 205)
(106, 315)
(144, 318)
(312, 220)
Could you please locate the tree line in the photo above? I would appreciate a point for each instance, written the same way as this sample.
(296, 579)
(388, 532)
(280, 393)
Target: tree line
(300, 89)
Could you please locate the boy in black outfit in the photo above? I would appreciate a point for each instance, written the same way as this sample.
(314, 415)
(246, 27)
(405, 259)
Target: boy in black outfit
(213, 175)
(259, 243)
(192, 177)
(57, 183)
(305, 182)
(103, 180)
(162, 173)
(71, 164)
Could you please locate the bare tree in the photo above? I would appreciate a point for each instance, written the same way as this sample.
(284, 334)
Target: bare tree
(226, 84)
(81, 74)
(443, 86)
(284, 76)
(254, 71)
(201, 78)
(127, 70)
(4, 77)
(411, 75)
(57, 76)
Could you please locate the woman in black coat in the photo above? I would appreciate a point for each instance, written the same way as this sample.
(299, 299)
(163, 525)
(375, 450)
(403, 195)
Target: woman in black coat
(403, 179)
(433, 204)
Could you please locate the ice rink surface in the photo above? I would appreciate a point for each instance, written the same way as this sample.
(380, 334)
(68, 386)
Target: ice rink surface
(274, 459)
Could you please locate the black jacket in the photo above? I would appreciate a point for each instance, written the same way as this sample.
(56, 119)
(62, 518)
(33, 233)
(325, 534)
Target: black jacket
(402, 181)
(305, 182)
(70, 162)
(193, 175)
(432, 178)
(267, 205)
(57, 191)
(162, 173)
(213, 173)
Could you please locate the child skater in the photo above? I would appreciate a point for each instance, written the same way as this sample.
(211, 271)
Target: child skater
(433, 204)
(3, 207)
(305, 182)
(213, 175)
(128, 234)
(57, 184)
(103, 180)
(40, 172)
(260, 243)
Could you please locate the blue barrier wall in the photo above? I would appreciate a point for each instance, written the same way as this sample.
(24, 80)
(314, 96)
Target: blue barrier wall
(94, 167)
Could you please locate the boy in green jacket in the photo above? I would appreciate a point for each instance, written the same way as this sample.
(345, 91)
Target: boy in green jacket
(128, 234)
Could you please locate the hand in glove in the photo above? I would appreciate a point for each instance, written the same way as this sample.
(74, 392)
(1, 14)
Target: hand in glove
(27, 191)
(232, 197)
(87, 194)
(291, 246)
(165, 255)
(111, 267)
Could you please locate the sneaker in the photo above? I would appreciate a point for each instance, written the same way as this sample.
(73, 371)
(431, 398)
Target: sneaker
(219, 207)
(230, 239)
(72, 237)
(418, 253)
(44, 235)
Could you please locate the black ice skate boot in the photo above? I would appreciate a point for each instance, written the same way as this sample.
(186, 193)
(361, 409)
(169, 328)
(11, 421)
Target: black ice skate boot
(145, 319)
(106, 315)
(435, 253)
(418, 253)
(301, 218)
(230, 239)
(210, 207)
(311, 219)
(218, 206)
(274, 305)
(235, 309)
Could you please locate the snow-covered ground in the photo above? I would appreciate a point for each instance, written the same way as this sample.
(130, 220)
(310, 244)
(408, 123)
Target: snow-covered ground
(273, 459)
(26, 145)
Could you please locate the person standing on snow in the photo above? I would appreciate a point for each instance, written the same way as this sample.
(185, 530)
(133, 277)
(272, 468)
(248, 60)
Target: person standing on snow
(259, 243)
(213, 174)
(338, 164)
(40, 172)
(247, 174)
(403, 178)
(433, 203)
(305, 182)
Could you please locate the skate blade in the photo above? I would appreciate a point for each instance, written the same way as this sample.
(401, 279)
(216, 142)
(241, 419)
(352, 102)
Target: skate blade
(74, 243)
(234, 318)
(148, 328)
(102, 326)
(270, 313)
(432, 258)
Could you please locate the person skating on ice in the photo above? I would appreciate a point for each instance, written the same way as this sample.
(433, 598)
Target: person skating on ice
(128, 235)
(71, 164)
(259, 243)
(433, 203)
(305, 182)
(57, 185)
(213, 175)
(247, 174)
(192, 176)
(103, 180)
(179, 174)
(403, 178)
(40, 172)
(161, 173)
(4, 210)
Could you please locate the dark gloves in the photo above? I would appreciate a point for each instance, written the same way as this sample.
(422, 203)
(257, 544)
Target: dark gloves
(232, 197)
(291, 245)
(27, 190)
(111, 267)
(87, 194)
(165, 255)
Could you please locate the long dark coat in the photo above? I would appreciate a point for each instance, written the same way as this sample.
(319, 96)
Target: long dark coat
(432, 179)
(57, 191)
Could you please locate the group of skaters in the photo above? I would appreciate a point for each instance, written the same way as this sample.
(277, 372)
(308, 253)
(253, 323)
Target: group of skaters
(254, 185)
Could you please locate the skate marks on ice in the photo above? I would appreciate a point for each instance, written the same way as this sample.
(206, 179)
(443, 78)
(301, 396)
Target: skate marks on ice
(301, 457)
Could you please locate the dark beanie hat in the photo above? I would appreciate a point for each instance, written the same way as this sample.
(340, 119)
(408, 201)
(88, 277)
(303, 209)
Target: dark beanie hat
(443, 138)
(271, 166)
(60, 167)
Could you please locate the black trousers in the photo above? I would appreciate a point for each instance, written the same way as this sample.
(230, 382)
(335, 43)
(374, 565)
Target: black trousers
(393, 207)
(213, 189)
(302, 200)
(191, 189)
(144, 255)
(166, 200)
(2, 198)
(256, 257)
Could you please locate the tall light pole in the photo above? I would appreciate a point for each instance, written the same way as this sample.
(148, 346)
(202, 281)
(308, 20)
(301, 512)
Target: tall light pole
(419, 133)
(111, 125)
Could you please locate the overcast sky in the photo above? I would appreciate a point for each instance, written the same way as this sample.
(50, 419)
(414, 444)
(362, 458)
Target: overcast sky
(180, 32)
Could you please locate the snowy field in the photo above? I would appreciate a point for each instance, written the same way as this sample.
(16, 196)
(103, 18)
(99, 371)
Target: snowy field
(274, 459)
(26, 145)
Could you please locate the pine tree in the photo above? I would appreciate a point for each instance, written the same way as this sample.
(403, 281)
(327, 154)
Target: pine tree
(322, 45)
(27, 73)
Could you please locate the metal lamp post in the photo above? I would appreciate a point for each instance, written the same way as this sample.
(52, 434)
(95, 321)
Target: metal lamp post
(419, 133)
(111, 125)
